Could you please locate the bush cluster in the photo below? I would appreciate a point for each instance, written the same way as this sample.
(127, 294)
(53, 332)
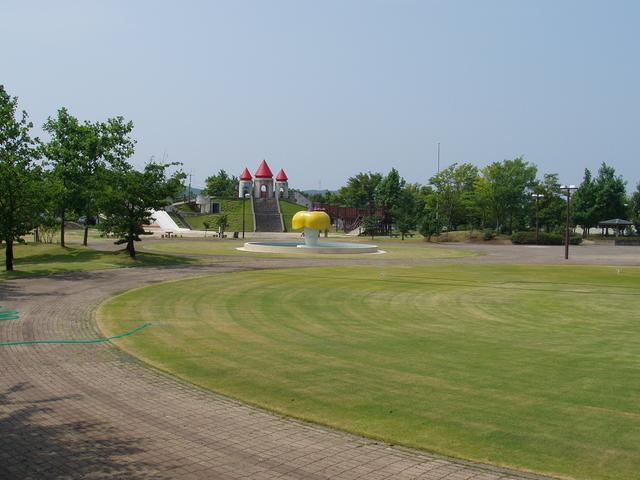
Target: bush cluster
(529, 238)
(488, 234)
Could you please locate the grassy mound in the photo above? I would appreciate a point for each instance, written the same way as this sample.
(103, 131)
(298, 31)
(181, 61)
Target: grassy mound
(534, 367)
(232, 208)
(288, 210)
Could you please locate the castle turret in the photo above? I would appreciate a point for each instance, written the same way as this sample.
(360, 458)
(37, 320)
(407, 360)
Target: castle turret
(282, 184)
(263, 183)
(245, 185)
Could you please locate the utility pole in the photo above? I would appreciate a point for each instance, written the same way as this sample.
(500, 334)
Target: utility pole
(438, 194)
(567, 236)
(190, 187)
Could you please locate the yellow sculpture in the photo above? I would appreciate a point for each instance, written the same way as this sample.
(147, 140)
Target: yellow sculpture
(313, 220)
(312, 223)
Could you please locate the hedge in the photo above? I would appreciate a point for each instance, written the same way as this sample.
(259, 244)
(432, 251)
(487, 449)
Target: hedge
(529, 238)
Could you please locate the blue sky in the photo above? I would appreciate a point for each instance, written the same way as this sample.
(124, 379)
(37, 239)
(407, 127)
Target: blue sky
(326, 89)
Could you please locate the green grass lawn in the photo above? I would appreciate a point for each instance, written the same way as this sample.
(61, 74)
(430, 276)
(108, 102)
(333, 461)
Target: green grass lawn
(535, 367)
(288, 210)
(230, 207)
(44, 259)
(395, 250)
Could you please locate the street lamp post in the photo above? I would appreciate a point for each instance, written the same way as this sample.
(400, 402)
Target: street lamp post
(537, 196)
(438, 195)
(244, 198)
(567, 189)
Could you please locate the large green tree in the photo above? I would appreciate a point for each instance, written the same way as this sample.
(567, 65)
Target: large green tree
(453, 186)
(79, 153)
(64, 154)
(482, 203)
(388, 192)
(405, 212)
(104, 144)
(221, 185)
(583, 204)
(131, 196)
(551, 207)
(507, 189)
(20, 177)
(610, 194)
(360, 190)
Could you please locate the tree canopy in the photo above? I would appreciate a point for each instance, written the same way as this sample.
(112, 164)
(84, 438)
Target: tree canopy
(610, 194)
(131, 196)
(360, 190)
(583, 204)
(221, 185)
(507, 187)
(78, 154)
(388, 192)
(20, 176)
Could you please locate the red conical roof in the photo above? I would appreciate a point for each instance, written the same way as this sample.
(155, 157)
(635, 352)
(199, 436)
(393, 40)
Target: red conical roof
(282, 177)
(245, 174)
(264, 171)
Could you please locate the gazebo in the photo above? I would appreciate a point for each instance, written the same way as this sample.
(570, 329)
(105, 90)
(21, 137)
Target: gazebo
(617, 223)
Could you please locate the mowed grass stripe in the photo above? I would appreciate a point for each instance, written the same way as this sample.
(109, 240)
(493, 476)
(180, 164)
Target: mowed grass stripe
(534, 367)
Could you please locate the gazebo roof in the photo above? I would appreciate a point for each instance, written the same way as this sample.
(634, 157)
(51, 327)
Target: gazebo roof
(245, 175)
(264, 171)
(615, 222)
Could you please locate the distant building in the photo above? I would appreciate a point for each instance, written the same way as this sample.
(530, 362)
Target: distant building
(262, 185)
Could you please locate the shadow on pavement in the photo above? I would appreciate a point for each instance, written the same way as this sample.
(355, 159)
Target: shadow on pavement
(36, 444)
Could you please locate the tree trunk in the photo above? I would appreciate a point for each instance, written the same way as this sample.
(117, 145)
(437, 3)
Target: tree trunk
(131, 248)
(9, 256)
(62, 228)
(86, 234)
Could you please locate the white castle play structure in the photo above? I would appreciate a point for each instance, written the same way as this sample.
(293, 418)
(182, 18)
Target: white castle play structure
(263, 186)
(263, 191)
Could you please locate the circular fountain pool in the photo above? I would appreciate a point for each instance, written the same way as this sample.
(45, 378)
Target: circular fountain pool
(300, 247)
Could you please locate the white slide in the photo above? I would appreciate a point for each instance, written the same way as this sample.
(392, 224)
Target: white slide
(162, 221)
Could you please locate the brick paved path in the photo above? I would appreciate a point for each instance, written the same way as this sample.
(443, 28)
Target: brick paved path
(90, 411)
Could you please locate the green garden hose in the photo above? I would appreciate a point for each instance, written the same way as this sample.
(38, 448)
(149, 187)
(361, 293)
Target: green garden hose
(6, 314)
(60, 342)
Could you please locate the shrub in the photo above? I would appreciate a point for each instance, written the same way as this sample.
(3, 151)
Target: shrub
(529, 238)
(488, 234)
(371, 225)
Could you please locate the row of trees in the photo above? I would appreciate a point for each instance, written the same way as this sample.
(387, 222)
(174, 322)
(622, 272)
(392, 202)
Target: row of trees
(503, 196)
(82, 172)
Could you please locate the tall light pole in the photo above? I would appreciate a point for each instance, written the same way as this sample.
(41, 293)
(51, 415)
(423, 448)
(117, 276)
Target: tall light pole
(438, 194)
(537, 196)
(567, 189)
(244, 199)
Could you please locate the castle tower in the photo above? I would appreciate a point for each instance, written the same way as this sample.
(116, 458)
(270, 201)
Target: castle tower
(282, 184)
(245, 185)
(263, 182)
